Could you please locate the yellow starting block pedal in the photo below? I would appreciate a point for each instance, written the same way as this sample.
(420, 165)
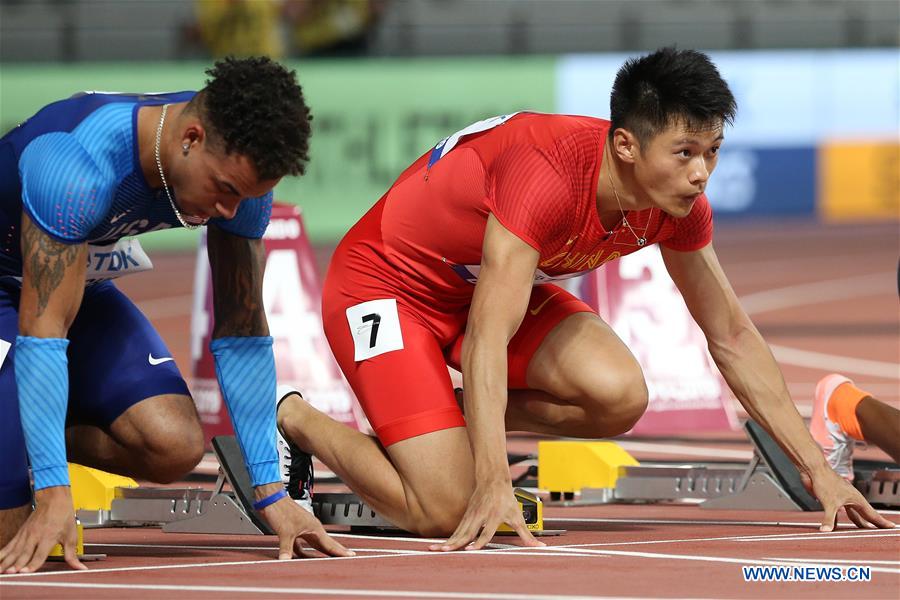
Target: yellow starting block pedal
(590, 469)
(533, 512)
(57, 554)
(93, 489)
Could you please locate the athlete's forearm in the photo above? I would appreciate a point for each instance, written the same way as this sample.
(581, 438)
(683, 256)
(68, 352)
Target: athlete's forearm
(755, 378)
(237, 266)
(484, 379)
(52, 289)
(245, 364)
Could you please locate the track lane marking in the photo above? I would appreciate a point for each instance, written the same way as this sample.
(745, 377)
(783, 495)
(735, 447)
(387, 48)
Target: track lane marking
(698, 558)
(801, 294)
(312, 591)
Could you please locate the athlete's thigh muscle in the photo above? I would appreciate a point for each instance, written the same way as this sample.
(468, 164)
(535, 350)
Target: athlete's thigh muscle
(116, 358)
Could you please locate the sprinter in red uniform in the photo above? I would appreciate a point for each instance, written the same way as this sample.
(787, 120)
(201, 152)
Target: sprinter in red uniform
(455, 265)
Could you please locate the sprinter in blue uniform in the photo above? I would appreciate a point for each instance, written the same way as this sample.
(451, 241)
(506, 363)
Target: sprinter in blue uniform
(83, 374)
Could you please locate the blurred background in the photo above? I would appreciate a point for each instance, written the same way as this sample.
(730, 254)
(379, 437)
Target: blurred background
(817, 82)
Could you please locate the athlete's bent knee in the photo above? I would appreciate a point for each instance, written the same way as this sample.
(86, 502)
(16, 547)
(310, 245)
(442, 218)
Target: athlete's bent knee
(439, 518)
(174, 453)
(618, 403)
(632, 405)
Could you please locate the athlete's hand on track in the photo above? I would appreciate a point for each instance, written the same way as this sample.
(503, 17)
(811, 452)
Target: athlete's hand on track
(292, 523)
(52, 522)
(491, 505)
(835, 492)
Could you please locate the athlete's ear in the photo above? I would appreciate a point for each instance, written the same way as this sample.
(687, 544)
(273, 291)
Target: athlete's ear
(625, 145)
(193, 134)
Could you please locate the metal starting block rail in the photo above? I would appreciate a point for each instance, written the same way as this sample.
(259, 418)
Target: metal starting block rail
(188, 510)
(769, 482)
(600, 473)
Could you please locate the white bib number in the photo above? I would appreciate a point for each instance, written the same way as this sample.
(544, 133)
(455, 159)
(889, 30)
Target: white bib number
(375, 327)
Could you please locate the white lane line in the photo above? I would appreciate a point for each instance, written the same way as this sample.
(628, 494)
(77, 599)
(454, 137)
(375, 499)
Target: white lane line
(691, 450)
(394, 538)
(826, 537)
(499, 552)
(802, 294)
(520, 550)
(839, 561)
(241, 548)
(698, 558)
(692, 557)
(207, 564)
(693, 522)
(735, 538)
(834, 362)
(499, 548)
(299, 561)
(309, 591)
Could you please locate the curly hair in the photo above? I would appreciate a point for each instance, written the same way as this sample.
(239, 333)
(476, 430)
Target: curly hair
(652, 92)
(255, 107)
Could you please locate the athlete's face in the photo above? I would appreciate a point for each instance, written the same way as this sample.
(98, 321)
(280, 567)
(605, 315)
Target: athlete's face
(674, 166)
(209, 183)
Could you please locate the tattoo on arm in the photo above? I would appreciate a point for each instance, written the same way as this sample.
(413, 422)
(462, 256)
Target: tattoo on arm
(46, 261)
(237, 270)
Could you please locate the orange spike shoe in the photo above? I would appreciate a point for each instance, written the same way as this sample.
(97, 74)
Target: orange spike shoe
(835, 443)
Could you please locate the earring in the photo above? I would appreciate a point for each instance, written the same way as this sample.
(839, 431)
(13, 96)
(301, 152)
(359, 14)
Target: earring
(185, 147)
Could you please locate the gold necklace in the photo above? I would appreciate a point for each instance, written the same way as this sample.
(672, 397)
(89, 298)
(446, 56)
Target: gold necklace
(641, 240)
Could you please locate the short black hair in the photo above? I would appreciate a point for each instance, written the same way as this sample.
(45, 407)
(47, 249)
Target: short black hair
(256, 108)
(669, 86)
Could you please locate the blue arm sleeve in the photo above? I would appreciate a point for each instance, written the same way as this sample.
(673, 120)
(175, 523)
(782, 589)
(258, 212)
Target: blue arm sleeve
(245, 367)
(251, 219)
(42, 379)
(64, 191)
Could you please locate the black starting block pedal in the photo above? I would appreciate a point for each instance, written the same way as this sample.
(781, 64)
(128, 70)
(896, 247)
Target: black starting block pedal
(235, 471)
(781, 466)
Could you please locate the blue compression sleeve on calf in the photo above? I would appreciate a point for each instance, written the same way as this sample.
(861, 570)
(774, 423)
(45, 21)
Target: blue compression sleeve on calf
(42, 379)
(245, 367)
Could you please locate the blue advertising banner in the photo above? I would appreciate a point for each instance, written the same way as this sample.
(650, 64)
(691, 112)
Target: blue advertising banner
(764, 182)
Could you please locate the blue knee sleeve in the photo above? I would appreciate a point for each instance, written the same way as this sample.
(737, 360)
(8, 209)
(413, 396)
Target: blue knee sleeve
(245, 367)
(42, 379)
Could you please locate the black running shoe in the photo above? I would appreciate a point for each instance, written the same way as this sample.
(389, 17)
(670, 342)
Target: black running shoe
(295, 465)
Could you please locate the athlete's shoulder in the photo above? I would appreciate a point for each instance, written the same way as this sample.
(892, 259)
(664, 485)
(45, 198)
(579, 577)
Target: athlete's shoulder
(65, 191)
(68, 114)
(556, 134)
(561, 124)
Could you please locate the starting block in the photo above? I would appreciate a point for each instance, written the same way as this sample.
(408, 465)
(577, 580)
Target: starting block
(591, 468)
(770, 481)
(230, 511)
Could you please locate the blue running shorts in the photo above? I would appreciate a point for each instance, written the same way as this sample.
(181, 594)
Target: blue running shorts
(116, 359)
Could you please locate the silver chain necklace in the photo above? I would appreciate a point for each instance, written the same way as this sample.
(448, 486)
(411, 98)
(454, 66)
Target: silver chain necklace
(641, 240)
(184, 223)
